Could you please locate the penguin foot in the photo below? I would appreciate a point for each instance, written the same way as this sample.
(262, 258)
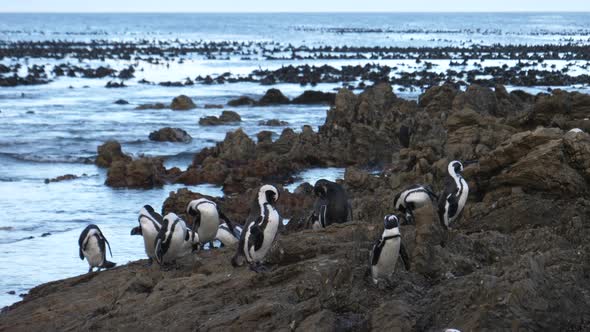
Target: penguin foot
(149, 262)
(258, 267)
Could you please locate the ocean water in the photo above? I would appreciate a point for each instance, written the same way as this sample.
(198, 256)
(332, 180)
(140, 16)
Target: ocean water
(54, 129)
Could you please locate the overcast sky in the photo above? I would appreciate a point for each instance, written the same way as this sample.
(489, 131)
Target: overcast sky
(289, 6)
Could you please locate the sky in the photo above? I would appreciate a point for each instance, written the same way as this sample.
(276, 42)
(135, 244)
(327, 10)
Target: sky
(291, 6)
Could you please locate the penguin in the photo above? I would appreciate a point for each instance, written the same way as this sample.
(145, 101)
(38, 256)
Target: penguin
(413, 197)
(331, 206)
(454, 196)
(260, 232)
(387, 249)
(207, 217)
(150, 223)
(227, 236)
(174, 240)
(92, 246)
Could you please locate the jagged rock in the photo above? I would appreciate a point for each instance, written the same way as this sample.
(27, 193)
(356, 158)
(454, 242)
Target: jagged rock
(168, 134)
(273, 123)
(242, 101)
(224, 118)
(141, 173)
(110, 152)
(62, 178)
(237, 146)
(273, 97)
(182, 103)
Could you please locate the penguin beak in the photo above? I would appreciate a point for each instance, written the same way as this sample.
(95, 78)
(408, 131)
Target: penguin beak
(136, 231)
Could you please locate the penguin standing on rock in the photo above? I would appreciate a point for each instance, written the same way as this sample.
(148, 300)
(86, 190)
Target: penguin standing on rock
(259, 233)
(331, 206)
(174, 240)
(92, 246)
(413, 197)
(455, 193)
(387, 249)
(150, 223)
(207, 218)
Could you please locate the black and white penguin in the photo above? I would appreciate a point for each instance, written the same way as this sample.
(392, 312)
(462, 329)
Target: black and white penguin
(150, 223)
(174, 240)
(331, 206)
(259, 232)
(412, 198)
(92, 246)
(207, 218)
(227, 236)
(454, 196)
(387, 249)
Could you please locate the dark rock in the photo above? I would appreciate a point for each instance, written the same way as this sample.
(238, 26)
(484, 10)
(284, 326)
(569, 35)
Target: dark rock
(273, 97)
(155, 106)
(242, 101)
(112, 84)
(141, 173)
(121, 102)
(110, 152)
(209, 106)
(168, 134)
(182, 103)
(315, 97)
(225, 118)
(273, 123)
(62, 178)
(45, 234)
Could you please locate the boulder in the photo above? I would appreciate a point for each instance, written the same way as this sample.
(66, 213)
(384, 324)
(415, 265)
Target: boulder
(154, 106)
(182, 103)
(315, 97)
(273, 123)
(110, 152)
(141, 173)
(242, 101)
(168, 134)
(225, 118)
(273, 97)
(121, 102)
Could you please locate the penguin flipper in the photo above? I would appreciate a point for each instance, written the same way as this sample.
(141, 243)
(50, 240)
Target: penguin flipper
(108, 244)
(256, 237)
(404, 256)
(376, 252)
(430, 192)
(81, 254)
(229, 223)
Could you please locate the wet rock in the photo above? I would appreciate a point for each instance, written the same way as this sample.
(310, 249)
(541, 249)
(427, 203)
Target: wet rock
(121, 102)
(112, 84)
(242, 101)
(62, 178)
(210, 106)
(225, 118)
(110, 152)
(273, 97)
(182, 103)
(154, 106)
(141, 173)
(168, 134)
(273, 123)
(315, 97)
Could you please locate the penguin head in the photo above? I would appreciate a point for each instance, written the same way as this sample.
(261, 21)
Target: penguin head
(320, 189)
(391, 221)
(268, 194)
(192, 209)
(455, 167)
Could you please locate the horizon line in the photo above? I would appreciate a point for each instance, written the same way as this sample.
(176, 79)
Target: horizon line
(301, 12)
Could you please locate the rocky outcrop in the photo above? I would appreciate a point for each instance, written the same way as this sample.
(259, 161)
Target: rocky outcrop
(168, 134)
(242, 101)
(141, 173)
(154, 106)
(182, 103)
(315, 97)
(273, 97)
(225, 118)
(110, 152)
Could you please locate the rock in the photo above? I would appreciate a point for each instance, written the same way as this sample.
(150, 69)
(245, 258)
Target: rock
(168, 134)
(273, 123)
(155, 106)
(315, 97)
(141, 173)
(273, 97)
(110, 152)
(112, 84)
(209, 106)
(237, 146)
(182, 103)
(225, 118)
(62, 178)
(121, 102)
(242, 101)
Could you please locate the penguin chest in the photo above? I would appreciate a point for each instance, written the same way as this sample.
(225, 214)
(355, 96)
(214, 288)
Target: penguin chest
(208, 228)
(270, 231)
(462, 197)
(226, 237)
(93, 253)
(149, 238)
(178, 246)
(386, 264)
(417, 199)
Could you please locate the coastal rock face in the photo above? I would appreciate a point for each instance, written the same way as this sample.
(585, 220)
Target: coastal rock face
(110, 152)
(224, 118)
(182, 103)
(141, 173)
(170, 135)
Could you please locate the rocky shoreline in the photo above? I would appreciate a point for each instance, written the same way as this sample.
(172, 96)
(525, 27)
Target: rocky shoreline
(517, 259)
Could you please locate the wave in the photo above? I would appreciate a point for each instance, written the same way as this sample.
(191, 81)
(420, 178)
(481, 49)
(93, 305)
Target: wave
(48, 159)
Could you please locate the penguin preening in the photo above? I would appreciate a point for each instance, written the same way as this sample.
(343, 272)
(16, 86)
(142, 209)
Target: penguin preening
(413, 197)
(387, 249)
(92, 246)
(454, 196)
(227, 236)
(259, 232)
(207, 218)
(150, 223)
(174, 240)
(331, 206)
